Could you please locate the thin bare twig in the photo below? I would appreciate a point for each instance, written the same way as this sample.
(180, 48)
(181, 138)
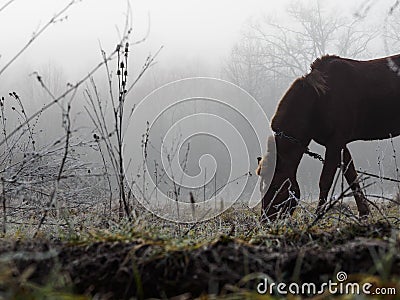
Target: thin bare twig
(67, 126)
(6, 4)
(36, 35)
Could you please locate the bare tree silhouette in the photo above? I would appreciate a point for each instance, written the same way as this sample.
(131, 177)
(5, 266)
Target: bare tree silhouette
(275, 53)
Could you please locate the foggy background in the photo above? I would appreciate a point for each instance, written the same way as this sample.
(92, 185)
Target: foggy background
(261, 46)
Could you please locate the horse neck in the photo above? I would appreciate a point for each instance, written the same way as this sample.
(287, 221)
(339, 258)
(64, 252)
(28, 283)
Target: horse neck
(295, 115)
(290, 153)
(295, 161)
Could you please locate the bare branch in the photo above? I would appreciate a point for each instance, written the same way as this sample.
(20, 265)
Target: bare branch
(6, 4)
(52, 21)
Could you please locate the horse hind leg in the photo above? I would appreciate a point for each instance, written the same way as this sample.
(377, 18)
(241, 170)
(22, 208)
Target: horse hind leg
(351, 178)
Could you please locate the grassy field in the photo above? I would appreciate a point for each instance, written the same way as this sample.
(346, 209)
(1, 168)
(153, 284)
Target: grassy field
(225, 258)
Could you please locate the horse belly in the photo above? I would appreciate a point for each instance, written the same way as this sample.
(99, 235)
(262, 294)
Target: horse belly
(380, 122)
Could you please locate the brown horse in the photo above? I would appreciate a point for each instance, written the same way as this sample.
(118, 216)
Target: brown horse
(339, 101)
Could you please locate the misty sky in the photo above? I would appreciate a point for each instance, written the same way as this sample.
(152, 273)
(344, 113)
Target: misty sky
(193, 30)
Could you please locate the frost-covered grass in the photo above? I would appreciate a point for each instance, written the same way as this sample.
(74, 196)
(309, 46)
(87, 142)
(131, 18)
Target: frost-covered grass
(238, 228)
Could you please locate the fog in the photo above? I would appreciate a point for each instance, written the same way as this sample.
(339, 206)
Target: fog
(191, 31)
(198, 38)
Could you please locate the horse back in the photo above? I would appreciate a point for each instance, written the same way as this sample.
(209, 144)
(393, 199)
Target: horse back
(362, 99)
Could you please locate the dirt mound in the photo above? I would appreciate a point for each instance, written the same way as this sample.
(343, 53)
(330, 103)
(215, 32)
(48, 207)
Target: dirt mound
(147, 269)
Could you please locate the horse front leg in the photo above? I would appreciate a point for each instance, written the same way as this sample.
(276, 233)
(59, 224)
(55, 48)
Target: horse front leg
(351, 178)
(332, 159)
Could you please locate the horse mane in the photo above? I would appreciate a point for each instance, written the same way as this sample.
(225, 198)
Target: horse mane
(321, 61)
(317, 81)
(316, 78)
